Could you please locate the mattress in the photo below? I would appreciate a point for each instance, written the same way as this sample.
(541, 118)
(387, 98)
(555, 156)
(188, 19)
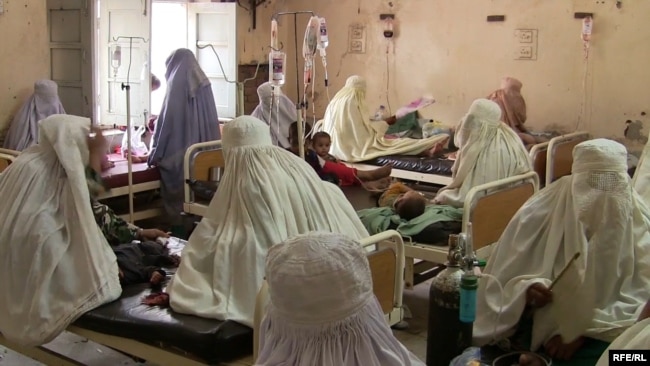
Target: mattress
(437, 166)
(117, 176)
(212, 340)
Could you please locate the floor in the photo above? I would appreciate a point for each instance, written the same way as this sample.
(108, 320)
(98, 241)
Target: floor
(92, 354)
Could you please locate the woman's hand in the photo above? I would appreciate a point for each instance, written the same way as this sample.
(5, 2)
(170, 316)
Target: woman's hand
(538, 296)
(152, 234)
(97, 146)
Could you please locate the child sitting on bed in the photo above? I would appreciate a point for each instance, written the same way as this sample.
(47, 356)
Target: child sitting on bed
(406, 202)
(310, 156)
(321, 142)
(142, 262)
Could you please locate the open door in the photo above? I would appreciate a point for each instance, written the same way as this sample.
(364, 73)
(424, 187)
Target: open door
(215, 24)
(118, 21)
(70, 54)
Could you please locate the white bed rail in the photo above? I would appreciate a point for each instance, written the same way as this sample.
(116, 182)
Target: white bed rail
(438, 254)
(188, 159)
(553, 145)
(391, 239)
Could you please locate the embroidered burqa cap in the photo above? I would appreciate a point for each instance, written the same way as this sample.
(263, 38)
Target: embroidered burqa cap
(322, 309)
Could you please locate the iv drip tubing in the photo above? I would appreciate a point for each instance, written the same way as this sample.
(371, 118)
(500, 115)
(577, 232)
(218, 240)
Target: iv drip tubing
(299, 105)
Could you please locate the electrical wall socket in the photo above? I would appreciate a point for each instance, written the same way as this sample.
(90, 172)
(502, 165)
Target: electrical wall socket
(525, 52)
(525, 44)
(2, 6)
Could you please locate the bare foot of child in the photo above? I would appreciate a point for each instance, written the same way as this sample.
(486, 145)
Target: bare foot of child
(379, 185)
(437, 149)
(379, 173)
(156, 278)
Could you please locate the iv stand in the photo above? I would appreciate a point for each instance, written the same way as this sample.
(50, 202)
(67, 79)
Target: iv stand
(240, 84)
(299, 104)
(127, 86)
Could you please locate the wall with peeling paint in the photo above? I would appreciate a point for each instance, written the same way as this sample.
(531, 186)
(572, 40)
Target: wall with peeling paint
(448, 49)
(442, 47)
(24, 53)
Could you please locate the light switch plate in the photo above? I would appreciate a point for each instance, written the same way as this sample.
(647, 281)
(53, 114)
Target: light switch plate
(2, 6)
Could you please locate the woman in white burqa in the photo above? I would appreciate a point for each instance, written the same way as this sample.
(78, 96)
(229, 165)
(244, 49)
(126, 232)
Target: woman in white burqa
(267, 194)
(322, 309)
(489, 150)
(641, 179)
(55, 263)
(23, 131)
(594, 212)
(355, 138)
(279, 113)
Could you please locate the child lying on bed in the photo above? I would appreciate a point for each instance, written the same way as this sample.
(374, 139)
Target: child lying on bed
(142, 262)
(406, 202)
(347, 176)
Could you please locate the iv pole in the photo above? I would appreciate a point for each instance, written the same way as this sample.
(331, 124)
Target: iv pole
(127, 86)
(240, 84)
(299, 104)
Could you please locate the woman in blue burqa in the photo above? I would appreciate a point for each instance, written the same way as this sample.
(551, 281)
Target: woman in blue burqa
(188, 116)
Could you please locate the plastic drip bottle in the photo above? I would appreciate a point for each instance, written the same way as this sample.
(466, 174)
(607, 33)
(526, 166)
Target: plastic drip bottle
(277, 59)
(468, 286)
(323, 40)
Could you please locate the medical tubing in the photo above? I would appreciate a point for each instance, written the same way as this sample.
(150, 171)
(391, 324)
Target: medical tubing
(501, 291)
(277, 121)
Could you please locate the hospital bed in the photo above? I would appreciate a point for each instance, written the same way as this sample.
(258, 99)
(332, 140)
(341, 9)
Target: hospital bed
(555, 156)
(165, 338)
(559, 156)
(414, 168)
(489, 208)
(203, 162)
(145, 179)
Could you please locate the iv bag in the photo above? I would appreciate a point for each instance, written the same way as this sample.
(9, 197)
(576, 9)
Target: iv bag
(277, 62)
(323, 39)
(116, 60)
(310, 44)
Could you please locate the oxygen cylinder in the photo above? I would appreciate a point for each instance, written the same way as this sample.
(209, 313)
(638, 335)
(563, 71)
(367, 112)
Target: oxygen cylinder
(447, 336)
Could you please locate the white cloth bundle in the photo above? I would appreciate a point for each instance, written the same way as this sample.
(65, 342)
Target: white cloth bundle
(488, 151)
(267, 194)
(322, 309)
(55, 263)
(354, 137)
(595, 212)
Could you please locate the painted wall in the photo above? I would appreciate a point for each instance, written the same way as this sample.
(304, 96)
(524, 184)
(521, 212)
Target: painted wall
(448, 49)
(24, 54)
(442, 47)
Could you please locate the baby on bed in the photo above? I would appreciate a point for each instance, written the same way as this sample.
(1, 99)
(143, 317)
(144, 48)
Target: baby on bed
(406, 202)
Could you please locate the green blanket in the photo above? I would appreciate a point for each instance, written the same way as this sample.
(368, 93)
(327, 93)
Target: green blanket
(407, 126)
(378, 219)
